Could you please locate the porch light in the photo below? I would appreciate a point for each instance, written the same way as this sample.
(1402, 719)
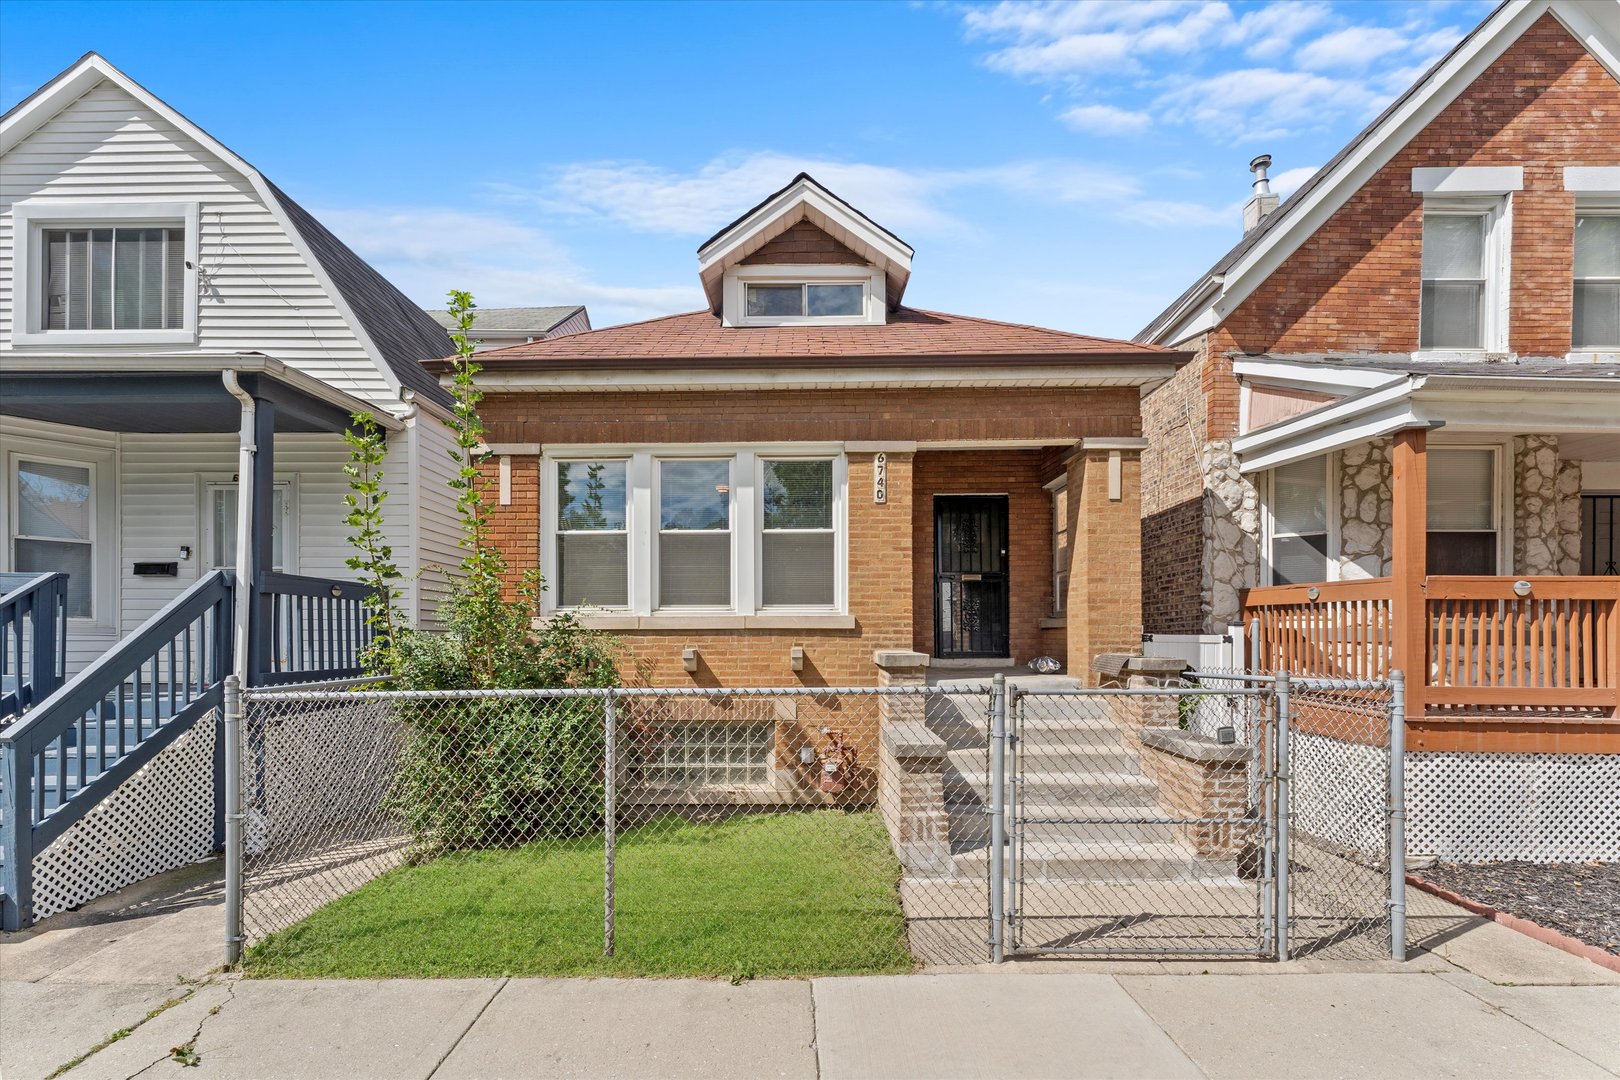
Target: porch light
(1521, 588)
(337, 592)
(1313, 594)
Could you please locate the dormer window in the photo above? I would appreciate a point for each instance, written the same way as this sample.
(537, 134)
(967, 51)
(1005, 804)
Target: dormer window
(803, 299)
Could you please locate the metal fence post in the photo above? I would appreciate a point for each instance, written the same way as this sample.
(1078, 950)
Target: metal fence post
(1397, 816)
(232, 735)
(1283, 814)
(998, 819)
(610, 818)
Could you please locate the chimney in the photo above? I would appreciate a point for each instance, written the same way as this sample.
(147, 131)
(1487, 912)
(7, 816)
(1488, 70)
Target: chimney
(1262, 202)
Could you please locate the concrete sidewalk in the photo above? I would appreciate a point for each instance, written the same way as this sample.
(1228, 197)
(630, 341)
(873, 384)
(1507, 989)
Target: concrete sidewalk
(1476, 1000)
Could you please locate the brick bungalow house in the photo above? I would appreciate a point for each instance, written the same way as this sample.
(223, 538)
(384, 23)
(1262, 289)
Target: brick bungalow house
(808, 479)
(1405, 402)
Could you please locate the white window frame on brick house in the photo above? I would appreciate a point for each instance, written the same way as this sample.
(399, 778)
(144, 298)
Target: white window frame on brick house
(33, 218)
(1059, 491)
(1495, 213)
(655, 563)
(874, 307)
(1332, 515)
(642, 527)
(1588, 206)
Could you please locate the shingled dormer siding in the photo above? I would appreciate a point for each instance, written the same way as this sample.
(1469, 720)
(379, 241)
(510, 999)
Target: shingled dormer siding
(802, 245)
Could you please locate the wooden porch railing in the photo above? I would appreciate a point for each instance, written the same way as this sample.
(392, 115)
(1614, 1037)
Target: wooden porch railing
(1553, 651)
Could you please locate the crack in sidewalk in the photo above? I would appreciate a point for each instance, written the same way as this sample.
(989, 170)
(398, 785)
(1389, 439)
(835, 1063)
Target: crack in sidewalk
(437, 1065)
(186, 1053)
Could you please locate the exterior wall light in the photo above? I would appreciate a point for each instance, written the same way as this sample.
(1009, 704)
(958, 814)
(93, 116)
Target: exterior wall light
(1521, 588)
(1313, 594)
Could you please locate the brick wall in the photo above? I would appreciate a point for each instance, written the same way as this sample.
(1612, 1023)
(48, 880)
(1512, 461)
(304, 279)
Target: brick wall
(1018, 474)
(1354, 285)
(1105, 570)
(804, 244)
(1057, 415)
(1175, 422)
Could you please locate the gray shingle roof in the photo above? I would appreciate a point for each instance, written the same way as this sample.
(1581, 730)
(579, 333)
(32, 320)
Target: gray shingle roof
(535, 320)
(404, 333)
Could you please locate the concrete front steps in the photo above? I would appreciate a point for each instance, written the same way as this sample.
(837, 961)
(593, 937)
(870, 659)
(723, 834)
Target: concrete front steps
(1073, 762)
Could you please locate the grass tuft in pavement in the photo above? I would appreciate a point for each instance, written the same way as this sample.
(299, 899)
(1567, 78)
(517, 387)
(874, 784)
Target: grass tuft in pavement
(754, 896)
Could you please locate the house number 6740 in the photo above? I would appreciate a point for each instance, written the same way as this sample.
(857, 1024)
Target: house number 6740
(880, 478)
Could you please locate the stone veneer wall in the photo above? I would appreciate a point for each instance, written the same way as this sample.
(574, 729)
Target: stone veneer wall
(1546, 508)
(1366, 510)
(1231, 536)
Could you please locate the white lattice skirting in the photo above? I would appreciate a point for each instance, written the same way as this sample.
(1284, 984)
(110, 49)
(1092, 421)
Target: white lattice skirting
(159, 819)
(1537, 807)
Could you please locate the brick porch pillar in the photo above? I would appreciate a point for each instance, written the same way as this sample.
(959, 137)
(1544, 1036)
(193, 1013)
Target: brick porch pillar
(1105, 550)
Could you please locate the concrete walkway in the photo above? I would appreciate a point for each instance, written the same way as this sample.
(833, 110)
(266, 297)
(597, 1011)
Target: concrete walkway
(1476, 1000)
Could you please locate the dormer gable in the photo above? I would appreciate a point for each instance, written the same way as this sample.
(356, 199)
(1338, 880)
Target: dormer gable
(804, 257)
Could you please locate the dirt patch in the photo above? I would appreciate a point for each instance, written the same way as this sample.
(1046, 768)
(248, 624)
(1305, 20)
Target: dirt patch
(1578, 899)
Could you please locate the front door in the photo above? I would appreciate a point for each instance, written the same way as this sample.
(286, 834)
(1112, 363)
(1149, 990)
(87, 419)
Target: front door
(970, 576)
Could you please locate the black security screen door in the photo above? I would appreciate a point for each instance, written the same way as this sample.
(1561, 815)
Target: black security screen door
(970, 575)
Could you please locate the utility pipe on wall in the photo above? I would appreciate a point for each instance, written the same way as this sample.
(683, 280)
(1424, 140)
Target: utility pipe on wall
(247, 450)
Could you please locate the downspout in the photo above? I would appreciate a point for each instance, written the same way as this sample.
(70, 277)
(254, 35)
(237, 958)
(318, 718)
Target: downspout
(248, 449)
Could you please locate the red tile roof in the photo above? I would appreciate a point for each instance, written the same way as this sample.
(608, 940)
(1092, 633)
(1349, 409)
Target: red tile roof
(910, 336)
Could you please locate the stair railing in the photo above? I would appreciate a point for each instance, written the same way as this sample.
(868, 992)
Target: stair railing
(105, 724)
(33, 640)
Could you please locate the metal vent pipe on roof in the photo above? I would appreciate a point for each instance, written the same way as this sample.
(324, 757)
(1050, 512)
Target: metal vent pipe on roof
(1262, 202)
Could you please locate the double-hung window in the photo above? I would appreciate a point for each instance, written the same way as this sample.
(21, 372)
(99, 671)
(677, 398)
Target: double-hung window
(1453, 311)
(1596, 323)
(1299, 522)
(798, 543)
(593, 542)
(55, 528)
(694, 533)
(1462, 511)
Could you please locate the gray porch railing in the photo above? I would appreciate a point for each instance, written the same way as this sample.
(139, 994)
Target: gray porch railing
(33, 640)
(75, 748)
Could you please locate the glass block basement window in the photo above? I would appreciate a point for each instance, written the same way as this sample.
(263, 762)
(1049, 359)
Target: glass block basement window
(714, 755)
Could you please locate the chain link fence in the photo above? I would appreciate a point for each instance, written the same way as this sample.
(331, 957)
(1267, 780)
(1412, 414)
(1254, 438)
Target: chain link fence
(1344, 801)
(777, 831)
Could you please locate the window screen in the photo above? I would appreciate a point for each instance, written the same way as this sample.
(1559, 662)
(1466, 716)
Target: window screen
(694, 533)
(798, 545)
(592, 542)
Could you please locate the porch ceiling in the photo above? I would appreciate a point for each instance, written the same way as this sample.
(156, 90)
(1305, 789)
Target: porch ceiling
(158, 402)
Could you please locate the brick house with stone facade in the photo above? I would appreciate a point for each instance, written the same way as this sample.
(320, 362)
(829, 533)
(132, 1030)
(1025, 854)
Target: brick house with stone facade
(805, 479)
(1398, 444)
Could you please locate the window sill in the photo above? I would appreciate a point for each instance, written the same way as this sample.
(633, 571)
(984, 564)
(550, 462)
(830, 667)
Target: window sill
(1594, 356)
(668, 621)
(61, 338)
(1054, 622)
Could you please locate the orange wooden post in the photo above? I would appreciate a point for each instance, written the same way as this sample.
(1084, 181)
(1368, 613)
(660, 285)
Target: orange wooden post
(1409, 617)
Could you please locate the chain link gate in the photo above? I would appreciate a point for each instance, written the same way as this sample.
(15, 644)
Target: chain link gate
(1143, 821)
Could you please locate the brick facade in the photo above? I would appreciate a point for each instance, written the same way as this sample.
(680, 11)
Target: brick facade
(1354, 286)
(890, 544)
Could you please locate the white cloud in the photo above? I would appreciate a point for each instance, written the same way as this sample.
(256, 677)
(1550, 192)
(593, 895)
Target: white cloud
(427, 251)
(1105, 119)
(1309, 63)
(649, 198)
(1288, 181)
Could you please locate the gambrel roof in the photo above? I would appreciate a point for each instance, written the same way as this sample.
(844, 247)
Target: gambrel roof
(1225, 285)
(396, 333)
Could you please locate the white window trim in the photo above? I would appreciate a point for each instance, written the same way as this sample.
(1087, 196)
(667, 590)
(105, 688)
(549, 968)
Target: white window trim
(1060, 574)
(104, 558)
(32, 217)
(208, 483)
(735, 301)
(656, 479)
(1606, 205)
(641, 526)
(1498, 257)
(1502, 483)
(1334, 511)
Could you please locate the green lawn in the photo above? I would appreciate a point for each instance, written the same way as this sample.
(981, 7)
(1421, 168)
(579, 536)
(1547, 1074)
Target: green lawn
(759, 895)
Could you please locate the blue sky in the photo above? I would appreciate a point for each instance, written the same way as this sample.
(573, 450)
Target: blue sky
(1072, 166)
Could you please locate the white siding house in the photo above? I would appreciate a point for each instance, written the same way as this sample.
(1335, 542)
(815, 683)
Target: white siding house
(117, 393)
